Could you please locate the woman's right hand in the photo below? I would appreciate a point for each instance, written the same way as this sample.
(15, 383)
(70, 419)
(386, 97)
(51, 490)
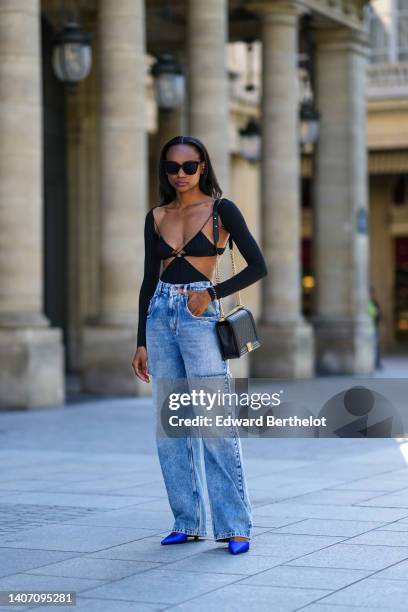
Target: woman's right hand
(139, 364)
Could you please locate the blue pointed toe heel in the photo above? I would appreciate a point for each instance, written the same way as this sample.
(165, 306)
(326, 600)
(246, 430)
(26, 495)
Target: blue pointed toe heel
(177, 538)
(236, 547)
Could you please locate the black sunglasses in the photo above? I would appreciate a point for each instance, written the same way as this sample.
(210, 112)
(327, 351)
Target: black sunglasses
(173, 167)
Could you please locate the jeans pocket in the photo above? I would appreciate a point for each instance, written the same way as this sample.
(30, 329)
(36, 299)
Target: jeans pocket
(212, 312)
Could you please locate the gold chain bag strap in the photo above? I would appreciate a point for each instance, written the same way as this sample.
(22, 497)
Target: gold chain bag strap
(236, 330)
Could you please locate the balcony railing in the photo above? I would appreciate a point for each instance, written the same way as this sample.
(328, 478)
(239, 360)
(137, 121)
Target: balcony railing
(388, 80)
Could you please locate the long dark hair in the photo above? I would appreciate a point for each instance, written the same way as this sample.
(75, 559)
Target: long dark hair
(208, 181)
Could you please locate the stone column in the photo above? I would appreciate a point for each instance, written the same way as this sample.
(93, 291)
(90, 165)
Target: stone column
(170, 125)
(31, 353)
(208, 106)
(344, 331)
(288, 348)
(110, 341)
(207, 82)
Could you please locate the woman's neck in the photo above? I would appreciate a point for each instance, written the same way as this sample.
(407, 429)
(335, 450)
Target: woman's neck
(184, 200)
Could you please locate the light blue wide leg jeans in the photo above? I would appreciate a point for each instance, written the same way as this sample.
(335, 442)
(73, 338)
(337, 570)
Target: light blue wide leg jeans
(181, 345)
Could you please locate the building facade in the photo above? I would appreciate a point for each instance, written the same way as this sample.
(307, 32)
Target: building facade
(387, 142)
(78, 173)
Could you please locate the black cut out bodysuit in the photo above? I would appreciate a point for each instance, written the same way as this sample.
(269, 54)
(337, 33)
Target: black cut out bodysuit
(180, 270)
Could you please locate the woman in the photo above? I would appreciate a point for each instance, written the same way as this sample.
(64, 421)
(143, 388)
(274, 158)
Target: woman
(177, 335)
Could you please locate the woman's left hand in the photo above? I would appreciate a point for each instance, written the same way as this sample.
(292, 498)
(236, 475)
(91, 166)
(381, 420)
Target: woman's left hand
(198, 301)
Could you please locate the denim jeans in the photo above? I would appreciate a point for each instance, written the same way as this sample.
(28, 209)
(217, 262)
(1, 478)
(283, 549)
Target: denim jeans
(181, 345)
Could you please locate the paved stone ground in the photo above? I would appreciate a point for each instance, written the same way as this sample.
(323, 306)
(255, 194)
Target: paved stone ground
(83, 508)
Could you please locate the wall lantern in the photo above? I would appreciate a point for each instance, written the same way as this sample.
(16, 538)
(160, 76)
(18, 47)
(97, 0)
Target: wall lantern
(72, 53)
(309, 124)
(250, 141)
(309, 118)
(169, 82)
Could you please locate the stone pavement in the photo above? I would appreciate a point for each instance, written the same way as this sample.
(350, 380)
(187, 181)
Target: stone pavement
(83, 508)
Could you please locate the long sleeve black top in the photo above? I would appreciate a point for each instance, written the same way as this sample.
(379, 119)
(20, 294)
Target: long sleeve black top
(234, 222)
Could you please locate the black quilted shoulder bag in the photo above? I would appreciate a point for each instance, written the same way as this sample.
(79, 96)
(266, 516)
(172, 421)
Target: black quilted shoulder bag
(236, 330)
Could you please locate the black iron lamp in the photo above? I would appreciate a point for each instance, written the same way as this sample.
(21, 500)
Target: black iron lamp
(309, 118)
(250, 140)
(72, 53)
(309, 123)
(169, 82)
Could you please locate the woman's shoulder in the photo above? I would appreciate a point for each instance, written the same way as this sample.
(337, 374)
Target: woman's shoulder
(230, 215)
(227, 204)
(228, 209)
(152, 208)
(159, 210)
(151, 214)
(151, 221)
